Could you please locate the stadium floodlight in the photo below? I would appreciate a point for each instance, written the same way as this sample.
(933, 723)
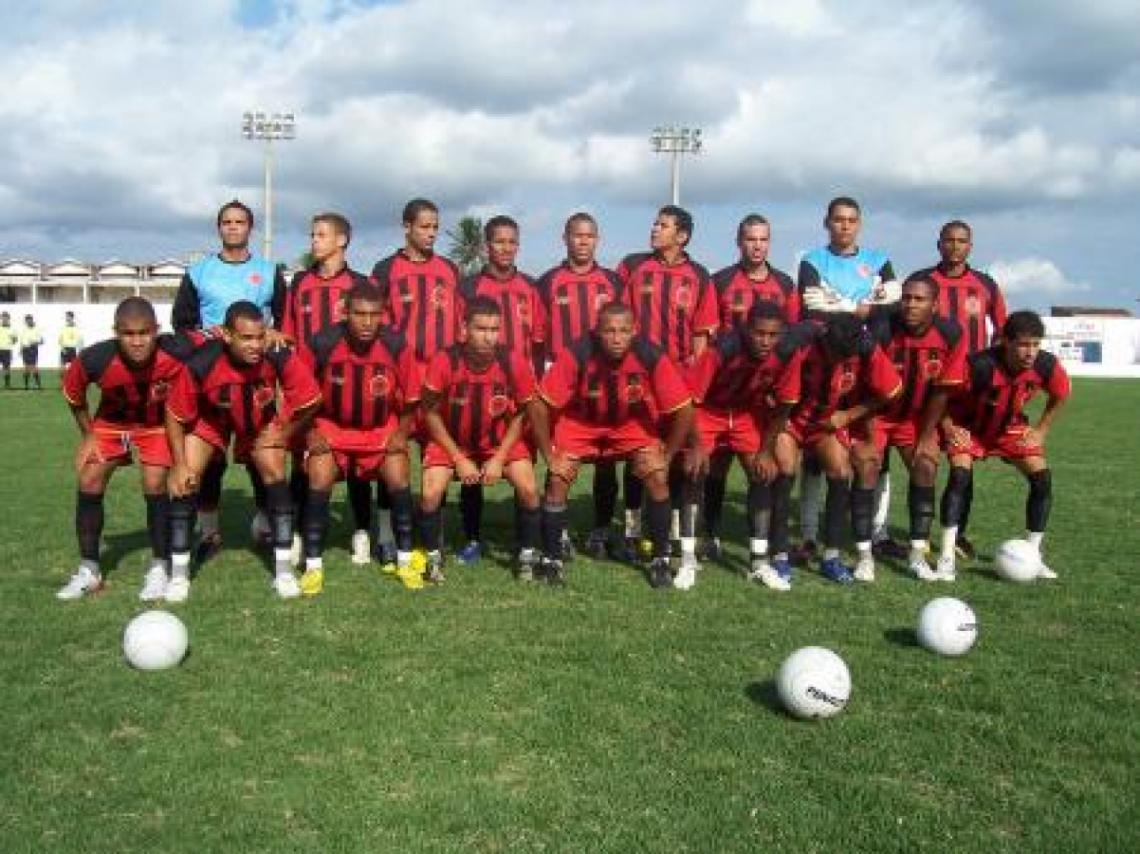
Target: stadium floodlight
(259, 125)
(676, 141)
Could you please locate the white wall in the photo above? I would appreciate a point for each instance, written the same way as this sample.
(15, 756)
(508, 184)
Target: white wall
(94, 321)
(1095, 346)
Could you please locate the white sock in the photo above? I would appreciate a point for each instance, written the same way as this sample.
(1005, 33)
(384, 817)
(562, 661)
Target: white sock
(403, 558)
(882, 507)
(811, 490)
(161, 563)
(384, 526)
(180, 565)
(92, 565)
(757, 547)
(1034, 538)
(314, 563)
(830, 554)
(208, 522)
(864, 549)
(918, 549)
(283, 561)
(949, 538)
(689, 546)
(674, 525)
(633, 524)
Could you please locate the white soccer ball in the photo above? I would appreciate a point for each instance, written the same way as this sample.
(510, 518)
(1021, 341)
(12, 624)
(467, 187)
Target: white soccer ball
(155, 640)
(947, 626)
(813, 682)
(1017, 560)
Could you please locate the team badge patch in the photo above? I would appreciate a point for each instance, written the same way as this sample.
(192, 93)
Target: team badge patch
(933, 367)
(439, 296)
(263, 396)
(973, 305)
(846, 381)
(159, 391)
(255, 278)
(683, 297)
(499, 405)
(634, 389)
(379, 385)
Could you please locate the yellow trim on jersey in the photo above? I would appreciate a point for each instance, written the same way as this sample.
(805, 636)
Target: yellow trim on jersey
(686, 402)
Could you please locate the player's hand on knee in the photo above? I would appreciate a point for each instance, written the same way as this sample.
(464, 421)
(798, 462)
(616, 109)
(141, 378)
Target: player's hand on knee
(492, 471)
(466, 471)
(696, 463)
(316, 444)
(87, 452)
(764, 467)
(271, 437)
(181, 482)
(561, 466)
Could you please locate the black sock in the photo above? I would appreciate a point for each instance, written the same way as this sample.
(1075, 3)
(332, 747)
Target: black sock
(862, 513)
(89, 524)
(781, 508)
(299, 492)
(836, 510)
(431, 529)
(530, 527)
(1040, 501)
(715, 487)
(659, 518)
(967, 505)
(958, 486)
(210, 488)
(315, 522)
(360, 500)
(181, 514)
(260, 497)
(401, 501)
(605, 494)
(553, 526)
(158, 524)
(759, 510)
(471, 509)
(280, 506)
(632, 488)
(920, 502)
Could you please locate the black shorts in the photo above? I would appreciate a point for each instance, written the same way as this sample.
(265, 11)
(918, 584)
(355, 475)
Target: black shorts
(67, 355)
(5, 359)
(30, 355)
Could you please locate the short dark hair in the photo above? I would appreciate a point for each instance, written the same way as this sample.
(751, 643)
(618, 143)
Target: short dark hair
(842, 202)
(235, 204)
(1023, 324)
(580, 216)
(765, 309)
(134, 308)
(613, 307)
(481, 306)
(415, 207)
(365, 292)
(842, 335)
(955, 223)
(681, 217)
(926, 279)
(339, 222)
(500, 221)
(749, 221)
(242, 310)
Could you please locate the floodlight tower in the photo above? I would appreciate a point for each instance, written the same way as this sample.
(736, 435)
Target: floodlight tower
(257, 124)
(676, 141)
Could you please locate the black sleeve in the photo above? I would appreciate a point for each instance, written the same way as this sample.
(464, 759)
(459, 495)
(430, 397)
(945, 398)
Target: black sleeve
(277, 304)
(887, 272)
(808, 276)
(187, 313)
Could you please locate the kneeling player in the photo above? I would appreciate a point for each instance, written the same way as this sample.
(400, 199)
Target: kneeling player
(610, 392)
(744, 385)
(133, 371)
(474, 397)
(367, 380)
(229, 390)
(846, 378)
(988, 419)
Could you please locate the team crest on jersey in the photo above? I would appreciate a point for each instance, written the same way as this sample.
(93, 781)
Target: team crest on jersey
(263, 396)
(499, 405)
(523, 311)
(159, 391)
(683, 297)
(932, 370)
(255, 278)
(973, 305)
(438, 296)
(864, 271)
(846, 380)
(379, 385)
(562, 298)
(601, 300)
(634, 389)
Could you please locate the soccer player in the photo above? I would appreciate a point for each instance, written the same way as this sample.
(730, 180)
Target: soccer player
(134, 372)
(368, 393)
(523, 332)
(674, 307)
(744, 386)
(972, 298)
(844, 277)
(988, 419)
(572, 295)
(229, 390)
(610, 392)
(70, 340)
(929, 353)
(423, 300)
(31, 339)
(846, 379)
(474, 397)
(7, 345)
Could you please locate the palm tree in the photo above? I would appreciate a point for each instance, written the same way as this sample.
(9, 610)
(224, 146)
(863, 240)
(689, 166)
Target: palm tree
(466, 248)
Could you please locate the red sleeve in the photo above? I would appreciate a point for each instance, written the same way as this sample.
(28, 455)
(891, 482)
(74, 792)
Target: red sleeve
(1059, 384)
(669, 387)
(182, 401)
(538, 313)
(793, 307)
(998, 312)
(623, 273)
(522, 377)
(298, 385)
(560, 383)
(788, 386)
(438, 375)
(289, 322)
(883, 378)
(410, 380)
(75, 383)
(702, 372)
(706, 316)
(954, 371)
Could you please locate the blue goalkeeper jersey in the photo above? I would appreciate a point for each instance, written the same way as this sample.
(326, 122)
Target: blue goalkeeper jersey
(218, 284)
(850, 276)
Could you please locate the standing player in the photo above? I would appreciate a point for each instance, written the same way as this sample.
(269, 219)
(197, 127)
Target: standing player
(611, 392)
(423, 300)
(133, 371)
(229, 390)
(523, 332)
(988, 419)
(973, 299)
(744, 386)
(929, 353)
(846, 380)
(31, 339)
(70, 340)
(7, 345)
(474, 398)
(739, 287)
(572, 295)
(368, 391)
(674, 307)
(844, 278)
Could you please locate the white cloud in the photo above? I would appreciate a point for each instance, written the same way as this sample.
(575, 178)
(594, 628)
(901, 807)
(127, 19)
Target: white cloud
(1035, 277)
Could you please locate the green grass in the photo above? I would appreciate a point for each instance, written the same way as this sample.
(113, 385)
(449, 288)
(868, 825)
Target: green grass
(488, 716)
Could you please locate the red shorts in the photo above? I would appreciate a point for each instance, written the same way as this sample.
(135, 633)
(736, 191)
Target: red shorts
(810, 434)
(884, 433)
(632, 441)
(436, 456)
(220, 438)
(116, 444)
(1007, 446)
(358, 453)
(741, 432)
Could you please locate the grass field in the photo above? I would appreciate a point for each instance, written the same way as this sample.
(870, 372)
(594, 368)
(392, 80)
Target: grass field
(489, 716)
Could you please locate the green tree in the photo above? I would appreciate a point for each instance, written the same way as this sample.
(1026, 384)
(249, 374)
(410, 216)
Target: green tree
(467, 249)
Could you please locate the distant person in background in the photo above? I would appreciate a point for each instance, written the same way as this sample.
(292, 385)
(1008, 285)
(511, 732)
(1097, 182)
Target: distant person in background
(7, 345)
(70, 341)
(31, 339)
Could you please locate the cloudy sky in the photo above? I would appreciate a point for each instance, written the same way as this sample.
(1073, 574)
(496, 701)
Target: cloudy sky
(121, 124)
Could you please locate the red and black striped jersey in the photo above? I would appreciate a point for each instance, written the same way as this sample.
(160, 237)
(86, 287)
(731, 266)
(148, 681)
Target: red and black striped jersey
(671, 303)
(423, 301)
(737, 291)
(524, 318)
(971, 299)
(828, 386)
(314, 302)
(586, 385)
(936, 358)
(726, 376)
(363, 389)
(572, 302)
(240, 398)
(993, 399)
(478, 405)
(130, 396)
